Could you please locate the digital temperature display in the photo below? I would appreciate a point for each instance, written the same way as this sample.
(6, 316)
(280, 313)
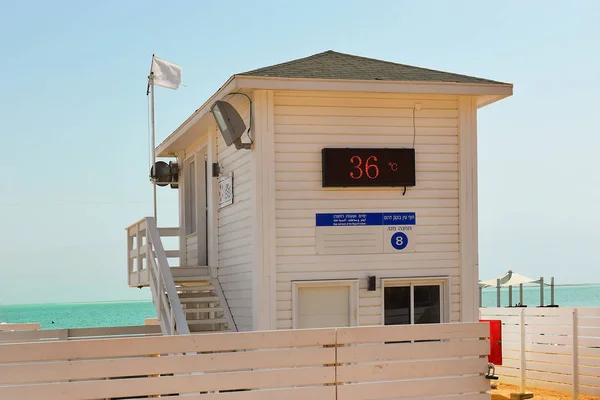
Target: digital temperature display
(368, 167)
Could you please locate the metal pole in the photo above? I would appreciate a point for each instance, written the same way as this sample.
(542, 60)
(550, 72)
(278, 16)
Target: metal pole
(552, 291)
(510, 296)
(153, 141)
(521, 294)
(480, 297)
(498, 293)
(542, 291)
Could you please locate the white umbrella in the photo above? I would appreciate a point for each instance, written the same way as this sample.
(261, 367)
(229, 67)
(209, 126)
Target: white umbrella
(509, 279)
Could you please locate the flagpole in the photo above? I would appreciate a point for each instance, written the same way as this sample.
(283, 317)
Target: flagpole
(153, 140)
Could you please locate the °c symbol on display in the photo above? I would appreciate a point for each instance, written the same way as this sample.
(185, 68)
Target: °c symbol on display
(399, 240)
(393, 166)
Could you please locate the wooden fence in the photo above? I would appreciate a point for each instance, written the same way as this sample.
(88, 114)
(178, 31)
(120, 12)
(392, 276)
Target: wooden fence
(78, 333)
(31, 326)
(380, 362)
(550, 348)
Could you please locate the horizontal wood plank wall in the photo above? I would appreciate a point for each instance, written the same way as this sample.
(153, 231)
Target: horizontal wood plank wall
(291, 364)
(191, 250)
(305, 122)
(549, 347)
(235, 227)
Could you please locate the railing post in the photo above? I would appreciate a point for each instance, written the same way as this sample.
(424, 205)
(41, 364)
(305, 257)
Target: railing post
(575, 354)
(522, 348)
(129, 259)
(138, 245)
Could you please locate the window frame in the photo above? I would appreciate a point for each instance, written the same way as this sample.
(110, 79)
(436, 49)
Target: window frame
(445, 297)
(352, 284)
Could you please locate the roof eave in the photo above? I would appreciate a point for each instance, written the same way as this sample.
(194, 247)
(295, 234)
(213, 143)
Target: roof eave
(454, 88)
(487, 93)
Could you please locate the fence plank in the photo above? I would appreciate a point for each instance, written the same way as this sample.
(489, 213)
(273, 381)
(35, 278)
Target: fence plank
(590, 391)
(298, 393)
(78, 333)
(29, 326)
(172, 384)
(122, 367)
(425, 387)
(589, 311)
(412, 351)
(122, 347)
(410, 370)
(398, 333)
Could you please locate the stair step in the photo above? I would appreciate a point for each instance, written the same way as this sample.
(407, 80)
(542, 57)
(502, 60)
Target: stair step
(198, 278)
(195, 288)
(199, 299)
(206, 321)
(203, 309)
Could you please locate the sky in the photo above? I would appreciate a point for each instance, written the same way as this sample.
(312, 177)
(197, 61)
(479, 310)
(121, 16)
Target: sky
(74, 120)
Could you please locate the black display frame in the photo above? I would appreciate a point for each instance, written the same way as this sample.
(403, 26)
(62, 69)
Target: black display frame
(407, 155)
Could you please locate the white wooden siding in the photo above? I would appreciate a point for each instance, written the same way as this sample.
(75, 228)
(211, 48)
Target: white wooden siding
(235, 228)
(191, 250)
(305, 122)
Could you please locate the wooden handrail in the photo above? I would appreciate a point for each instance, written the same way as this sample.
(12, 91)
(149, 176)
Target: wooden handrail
(160, 266)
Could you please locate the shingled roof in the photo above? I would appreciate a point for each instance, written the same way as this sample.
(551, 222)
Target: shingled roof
(334, 65)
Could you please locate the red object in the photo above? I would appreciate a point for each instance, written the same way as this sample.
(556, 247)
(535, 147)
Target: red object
(495, 356)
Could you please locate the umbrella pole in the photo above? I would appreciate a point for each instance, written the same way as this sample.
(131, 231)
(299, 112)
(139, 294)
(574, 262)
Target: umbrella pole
(498, 293)
(510, 296)
(521, 294)
(480, 297)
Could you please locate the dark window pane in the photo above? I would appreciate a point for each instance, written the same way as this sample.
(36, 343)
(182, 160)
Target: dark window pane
(427, 304)
(397, 305)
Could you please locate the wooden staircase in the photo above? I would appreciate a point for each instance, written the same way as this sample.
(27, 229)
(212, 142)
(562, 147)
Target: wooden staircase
(201, 300)
(187, 299)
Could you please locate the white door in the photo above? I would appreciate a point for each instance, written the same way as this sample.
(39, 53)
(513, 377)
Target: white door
(323, 306)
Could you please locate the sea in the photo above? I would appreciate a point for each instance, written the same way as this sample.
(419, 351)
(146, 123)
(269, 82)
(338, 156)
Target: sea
(127, 313)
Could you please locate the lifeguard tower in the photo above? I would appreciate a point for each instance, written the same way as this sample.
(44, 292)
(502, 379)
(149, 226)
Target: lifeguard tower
(350, 198)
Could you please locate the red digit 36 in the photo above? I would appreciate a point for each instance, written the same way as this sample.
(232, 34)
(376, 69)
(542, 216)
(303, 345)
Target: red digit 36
(371, 169)
(356, 174)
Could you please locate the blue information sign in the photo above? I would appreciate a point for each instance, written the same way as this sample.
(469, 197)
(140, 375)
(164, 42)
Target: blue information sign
(366, 219)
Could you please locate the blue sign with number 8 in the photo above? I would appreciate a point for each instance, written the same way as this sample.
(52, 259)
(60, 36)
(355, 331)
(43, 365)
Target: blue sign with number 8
(399, 240)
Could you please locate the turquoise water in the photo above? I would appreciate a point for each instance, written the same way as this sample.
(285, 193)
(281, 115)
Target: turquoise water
(80, 315)
(86, 315)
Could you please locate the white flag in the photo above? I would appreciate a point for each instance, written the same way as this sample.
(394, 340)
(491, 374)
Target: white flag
(166, 74)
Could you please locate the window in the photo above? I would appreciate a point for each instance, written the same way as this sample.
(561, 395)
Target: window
(190, 203)
(324, 304)
(407, 302)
